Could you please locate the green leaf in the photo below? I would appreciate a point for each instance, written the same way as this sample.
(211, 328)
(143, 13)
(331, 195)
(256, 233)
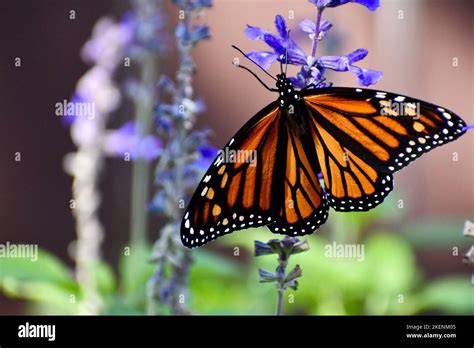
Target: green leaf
(453, 295)
(210, 265)
(246, 238)
(348, 226)
(390, 264)
(47, 268)
(104, 277)
(218, 285)
(54, 299)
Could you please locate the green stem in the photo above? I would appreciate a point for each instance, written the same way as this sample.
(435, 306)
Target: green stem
(141, 169)
(280, 293)
(281, 274)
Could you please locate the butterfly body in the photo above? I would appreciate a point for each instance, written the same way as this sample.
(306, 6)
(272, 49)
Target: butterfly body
(356, 138)
(287, 94)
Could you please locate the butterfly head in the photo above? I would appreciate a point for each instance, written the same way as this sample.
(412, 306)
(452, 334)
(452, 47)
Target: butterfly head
(288, 94)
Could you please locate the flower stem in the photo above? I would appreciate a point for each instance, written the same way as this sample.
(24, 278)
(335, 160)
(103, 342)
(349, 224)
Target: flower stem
(316, 35)
(141, 171)
(280, 285)
(284, 248)
(280, 293)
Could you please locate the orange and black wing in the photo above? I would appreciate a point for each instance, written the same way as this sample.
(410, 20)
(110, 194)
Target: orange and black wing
(237, 191)
(303, 205)
(272, 182)
(362, 136)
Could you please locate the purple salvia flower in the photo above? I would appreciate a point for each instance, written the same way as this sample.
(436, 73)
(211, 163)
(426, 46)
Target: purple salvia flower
(372, 5)
(254, 33)
(308, 26)
(366, 77)
(279, 43)
(264, 58)
(307, 76)
(312, 68)
(184, 157)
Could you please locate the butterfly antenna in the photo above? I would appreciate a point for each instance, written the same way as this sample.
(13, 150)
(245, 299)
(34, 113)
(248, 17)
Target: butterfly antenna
(246, 56)
(258, 78)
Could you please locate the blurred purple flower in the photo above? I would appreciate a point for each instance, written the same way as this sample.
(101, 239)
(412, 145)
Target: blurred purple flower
(146, 30)
(208, 152)
(191, 36)
(164, 123)
(193, 5)
(106, 46)
(126, 140)
(205, 155)
(158, 203)
(167, 85)
(68, 119)
(372, 5)
(187, 35)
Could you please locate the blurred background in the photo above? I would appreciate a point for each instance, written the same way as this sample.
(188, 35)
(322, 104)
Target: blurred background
(414, 242)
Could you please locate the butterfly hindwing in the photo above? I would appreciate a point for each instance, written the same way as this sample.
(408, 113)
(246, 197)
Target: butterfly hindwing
(303, 203)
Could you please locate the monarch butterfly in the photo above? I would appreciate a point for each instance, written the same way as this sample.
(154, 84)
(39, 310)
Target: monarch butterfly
(356, 138)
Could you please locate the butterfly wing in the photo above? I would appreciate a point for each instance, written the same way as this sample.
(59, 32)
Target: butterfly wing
(303, 203)
(238, 193)
(356, 138)
(279, 189)
(362, 136)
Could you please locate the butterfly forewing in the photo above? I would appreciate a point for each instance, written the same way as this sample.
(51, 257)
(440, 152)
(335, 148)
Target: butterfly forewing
(389, 130)
(362, 136)
(237, 190)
